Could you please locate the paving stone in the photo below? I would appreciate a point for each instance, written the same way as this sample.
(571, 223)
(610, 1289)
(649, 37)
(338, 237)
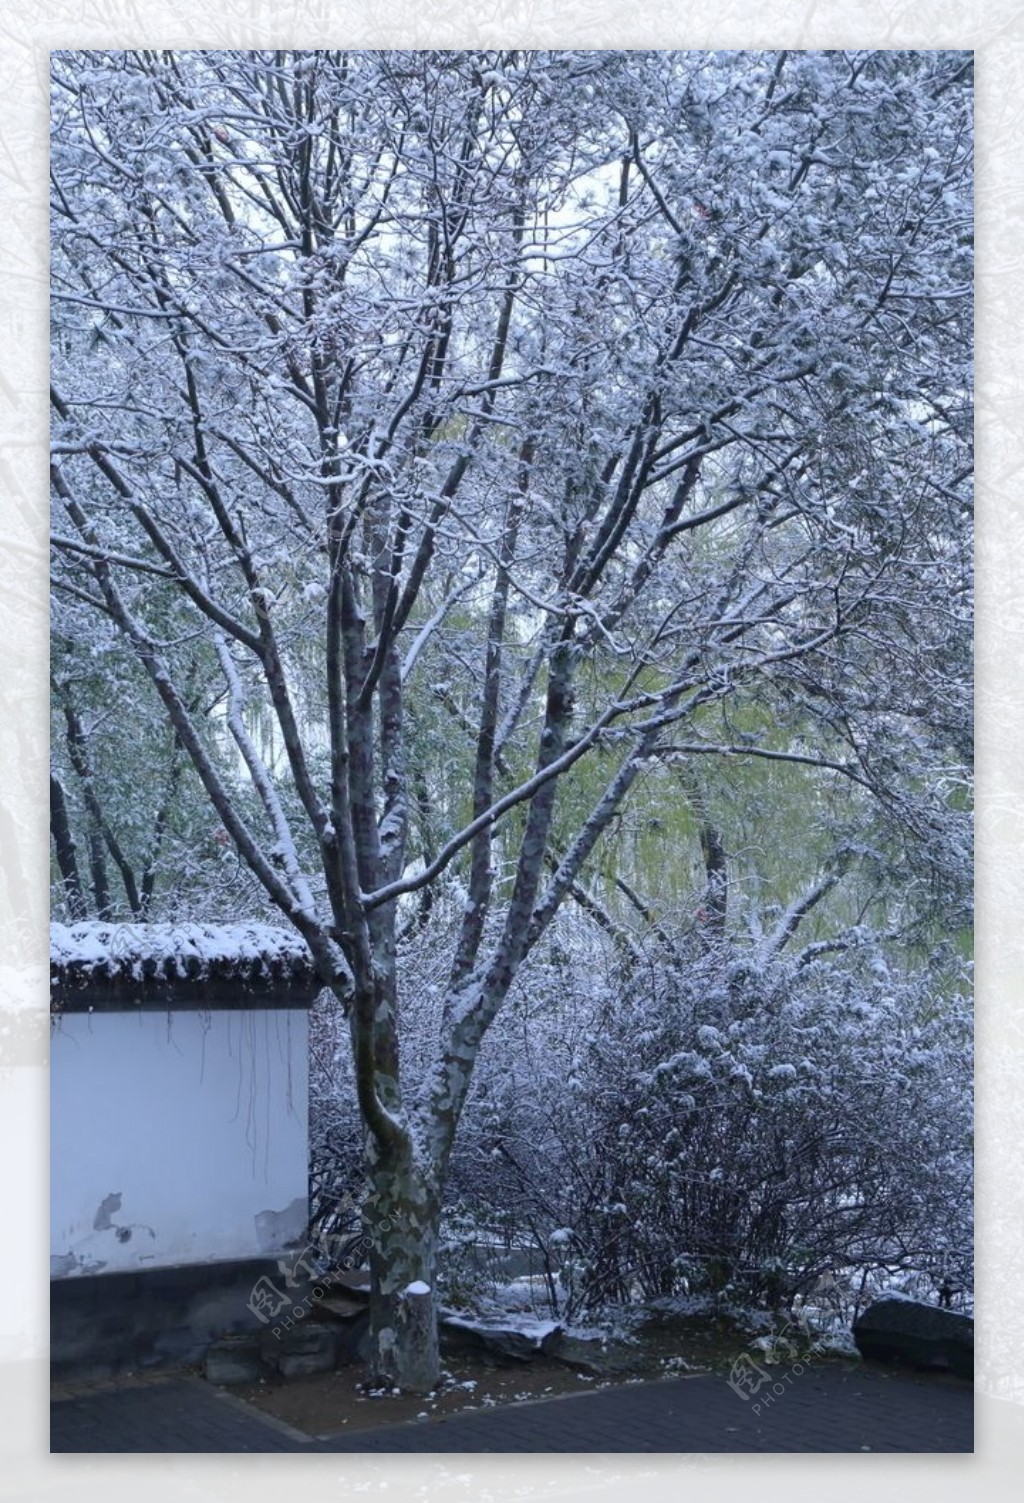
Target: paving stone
(829, 1407)
(181, 1415)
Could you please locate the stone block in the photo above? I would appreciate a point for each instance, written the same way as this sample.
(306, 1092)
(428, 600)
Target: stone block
(353, 1341)
(305, 1364)
(236, 1359)
(307, 1339)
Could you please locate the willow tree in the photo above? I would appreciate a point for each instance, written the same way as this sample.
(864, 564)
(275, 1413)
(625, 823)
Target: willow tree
(651, 369)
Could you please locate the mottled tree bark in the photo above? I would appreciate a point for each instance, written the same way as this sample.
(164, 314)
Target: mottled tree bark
(401, 1218)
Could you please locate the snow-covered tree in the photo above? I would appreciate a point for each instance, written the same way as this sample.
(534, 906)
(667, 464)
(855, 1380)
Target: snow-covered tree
(463, 442)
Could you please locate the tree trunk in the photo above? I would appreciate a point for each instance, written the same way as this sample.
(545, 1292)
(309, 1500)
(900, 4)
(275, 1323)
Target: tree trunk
(64, 846)
(716, 894)
(402, 1216)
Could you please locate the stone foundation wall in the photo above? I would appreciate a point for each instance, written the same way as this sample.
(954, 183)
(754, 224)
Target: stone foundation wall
(108, 1324)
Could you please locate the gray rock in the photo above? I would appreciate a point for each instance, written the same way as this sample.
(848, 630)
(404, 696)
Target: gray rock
(305, 1364)
(599, 1359)
(908, 1331)
(349, 1318)
(343, 1307)
(353, 1339)
(236, 1359)
(307, 1347)
(356, 1281)
(516, 1341)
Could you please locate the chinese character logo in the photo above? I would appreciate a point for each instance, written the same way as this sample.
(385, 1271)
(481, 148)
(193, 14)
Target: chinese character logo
(746, 1378)
(266, 1300)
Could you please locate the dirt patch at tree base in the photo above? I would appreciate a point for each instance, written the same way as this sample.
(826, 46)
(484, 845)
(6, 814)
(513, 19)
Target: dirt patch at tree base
(329, 1403)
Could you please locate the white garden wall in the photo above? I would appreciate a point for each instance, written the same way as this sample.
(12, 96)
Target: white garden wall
(176, 1137)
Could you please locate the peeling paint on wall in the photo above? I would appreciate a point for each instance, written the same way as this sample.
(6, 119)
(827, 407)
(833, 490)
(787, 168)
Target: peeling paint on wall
(66, 1265)
(279, 1229)
(108, 1205)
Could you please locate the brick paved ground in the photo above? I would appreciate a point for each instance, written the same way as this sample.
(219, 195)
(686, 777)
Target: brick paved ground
(185, 1414)
(834, 1407)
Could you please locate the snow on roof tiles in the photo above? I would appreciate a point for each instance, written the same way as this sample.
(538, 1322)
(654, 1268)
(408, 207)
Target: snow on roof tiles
(115, 966)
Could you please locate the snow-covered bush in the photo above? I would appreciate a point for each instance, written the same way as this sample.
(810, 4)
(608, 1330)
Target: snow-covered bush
(727, 1127)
